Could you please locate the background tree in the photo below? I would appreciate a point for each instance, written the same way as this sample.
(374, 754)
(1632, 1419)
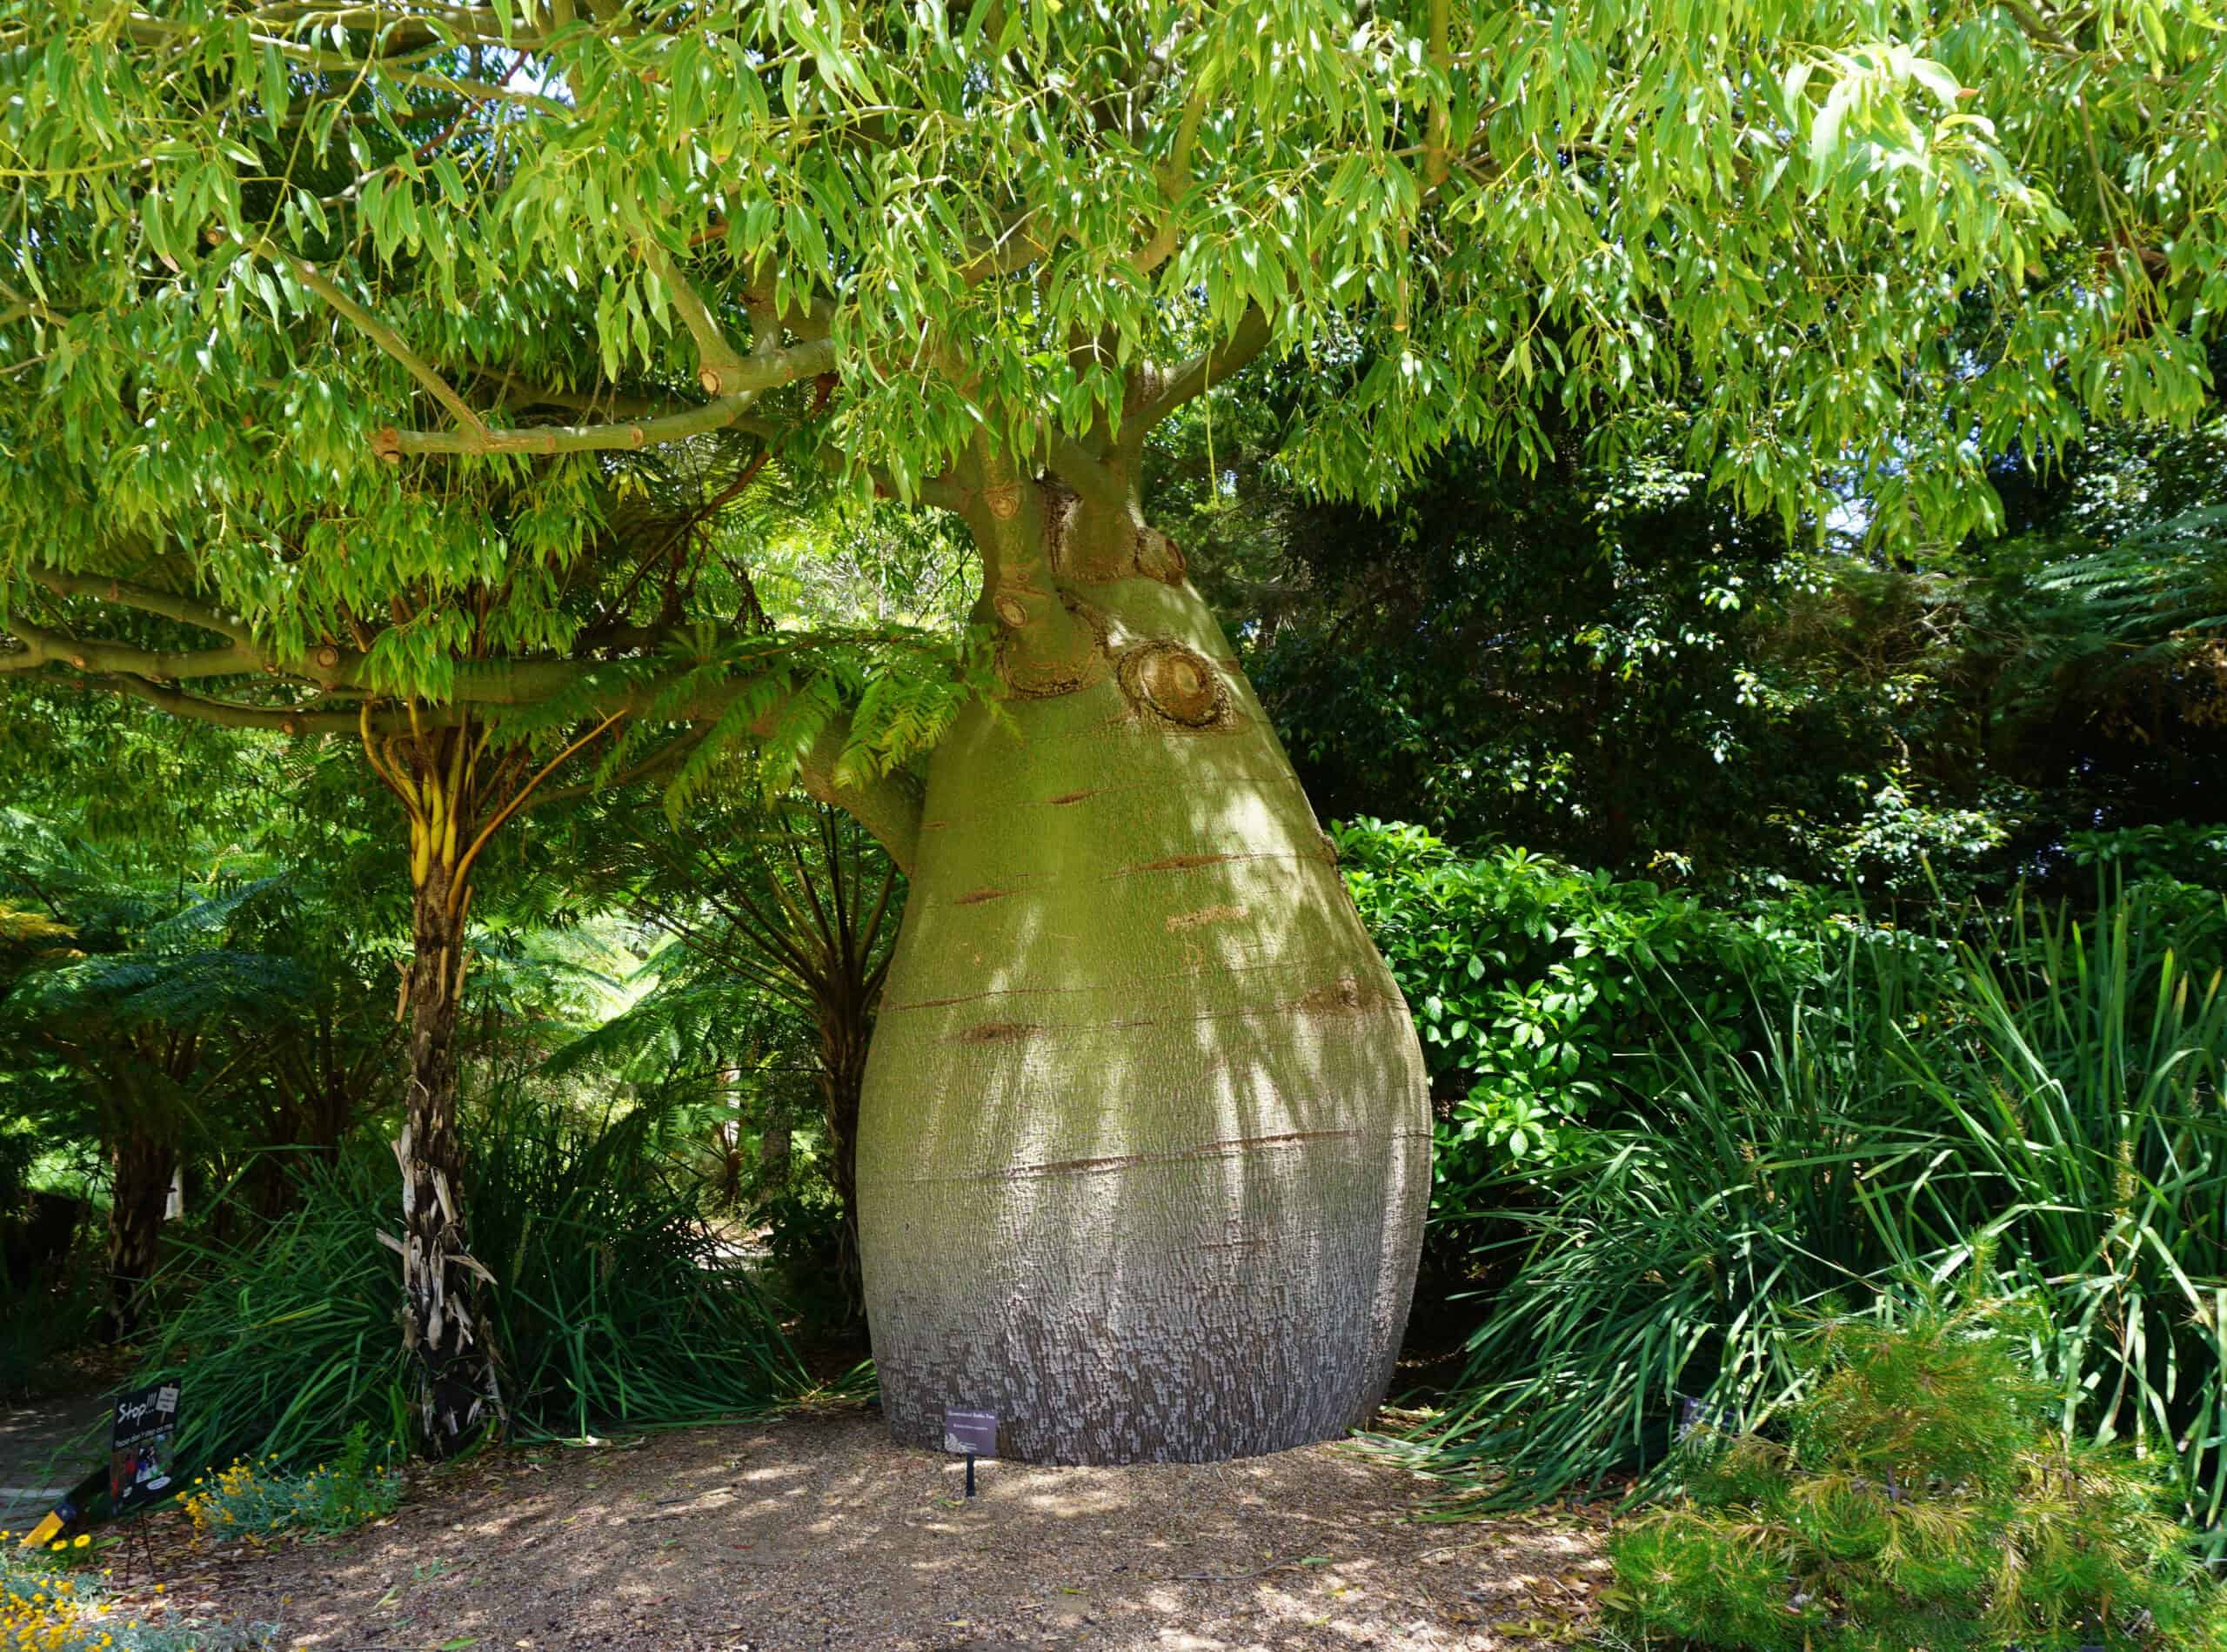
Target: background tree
(156, 1016)
(1609, 666)
(347, 374)
(792, 900)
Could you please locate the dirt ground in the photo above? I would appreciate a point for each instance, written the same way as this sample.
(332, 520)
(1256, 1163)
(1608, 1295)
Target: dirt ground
(818, 1531)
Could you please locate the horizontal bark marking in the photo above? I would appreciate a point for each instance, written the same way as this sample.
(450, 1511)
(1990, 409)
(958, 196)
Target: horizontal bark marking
(1345, 996)
(978, 896)
(1066, 798)
(997, 1033)
(1229, 1147)
(1187, 862)
(1210, 780)
(1221, 1150)
(1127, 987)
(1219, 914)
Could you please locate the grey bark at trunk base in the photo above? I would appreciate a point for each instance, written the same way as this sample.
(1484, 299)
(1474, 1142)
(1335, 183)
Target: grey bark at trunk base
(1144, 1153)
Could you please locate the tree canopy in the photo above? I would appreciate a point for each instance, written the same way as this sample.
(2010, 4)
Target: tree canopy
(366, 325)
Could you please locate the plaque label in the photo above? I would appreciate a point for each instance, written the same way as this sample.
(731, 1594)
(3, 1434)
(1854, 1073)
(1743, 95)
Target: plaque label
(972, 1433)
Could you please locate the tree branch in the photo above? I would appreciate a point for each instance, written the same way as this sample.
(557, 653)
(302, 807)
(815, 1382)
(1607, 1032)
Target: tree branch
(460, 884)
(1001, 254)
(754, 377)
(170, 605)
(514, 393)
(2035, 27)
(1206, 370)
(1440, 122)
(716, 360)
(1085, 472)
(680, 745)
(43, 647)
(382, 335)
(889, 805)
(1174, 178)
(158, 31)
(229, 715)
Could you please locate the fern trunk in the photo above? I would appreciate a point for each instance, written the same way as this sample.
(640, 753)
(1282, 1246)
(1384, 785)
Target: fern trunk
(1144, 1147)
(142, 1166)
(844, 1046)
(441, 1324)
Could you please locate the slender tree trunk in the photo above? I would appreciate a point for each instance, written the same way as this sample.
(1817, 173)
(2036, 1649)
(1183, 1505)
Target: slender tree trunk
(774, 1155)
(1144, 1150)
(844, 1046)
(440, 1312)
(272, 1182)
(726, 1139)
(145, 1169)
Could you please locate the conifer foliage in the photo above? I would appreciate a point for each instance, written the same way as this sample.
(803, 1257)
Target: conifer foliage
(1914, 1497)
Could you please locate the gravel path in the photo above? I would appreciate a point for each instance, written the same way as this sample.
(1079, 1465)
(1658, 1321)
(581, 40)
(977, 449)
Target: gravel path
(820, 1533)
(46, 1446)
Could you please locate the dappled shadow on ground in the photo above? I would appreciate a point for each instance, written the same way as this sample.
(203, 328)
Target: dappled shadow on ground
(821, 1533)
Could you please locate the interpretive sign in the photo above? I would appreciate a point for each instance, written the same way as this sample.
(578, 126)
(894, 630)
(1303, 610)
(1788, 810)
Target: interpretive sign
(142, 1446)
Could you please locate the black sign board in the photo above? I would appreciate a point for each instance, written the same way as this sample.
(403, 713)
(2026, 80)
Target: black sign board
(142, 1446)
(974, 1433)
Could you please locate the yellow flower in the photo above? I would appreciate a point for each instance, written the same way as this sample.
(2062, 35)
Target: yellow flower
(84, 1538)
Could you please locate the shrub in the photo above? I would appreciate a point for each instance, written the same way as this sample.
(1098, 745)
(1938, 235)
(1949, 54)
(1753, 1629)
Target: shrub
(2080, 1098)
(1914, 1497)
(1680, 1255)
(46, 1606)
(613, 1303)
(2049, 1100)
(284, 1339)
(1545, 995)
(251, 1501)
(805, 1243)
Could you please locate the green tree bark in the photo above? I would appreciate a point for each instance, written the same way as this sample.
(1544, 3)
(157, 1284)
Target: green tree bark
(1144, 1148)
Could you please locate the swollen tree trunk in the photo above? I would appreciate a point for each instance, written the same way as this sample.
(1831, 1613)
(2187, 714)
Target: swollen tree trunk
(1144, 1151)
(440, 1307)
(144, 1167)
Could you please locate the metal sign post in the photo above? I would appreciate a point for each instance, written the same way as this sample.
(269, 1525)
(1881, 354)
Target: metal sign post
(974, 1433)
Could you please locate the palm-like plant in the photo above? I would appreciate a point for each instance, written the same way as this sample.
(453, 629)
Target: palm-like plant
(789, 900)
(154, 1013)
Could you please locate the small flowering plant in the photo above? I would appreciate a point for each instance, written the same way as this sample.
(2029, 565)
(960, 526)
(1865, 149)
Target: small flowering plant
(254, 1502)
(76, 1552)
(48, 1603)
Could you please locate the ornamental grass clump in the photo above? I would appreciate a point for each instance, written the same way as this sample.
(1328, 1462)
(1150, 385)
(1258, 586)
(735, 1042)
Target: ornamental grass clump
(1914, 1496)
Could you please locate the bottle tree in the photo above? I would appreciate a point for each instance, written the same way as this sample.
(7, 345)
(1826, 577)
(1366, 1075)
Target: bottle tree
(343, 335)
